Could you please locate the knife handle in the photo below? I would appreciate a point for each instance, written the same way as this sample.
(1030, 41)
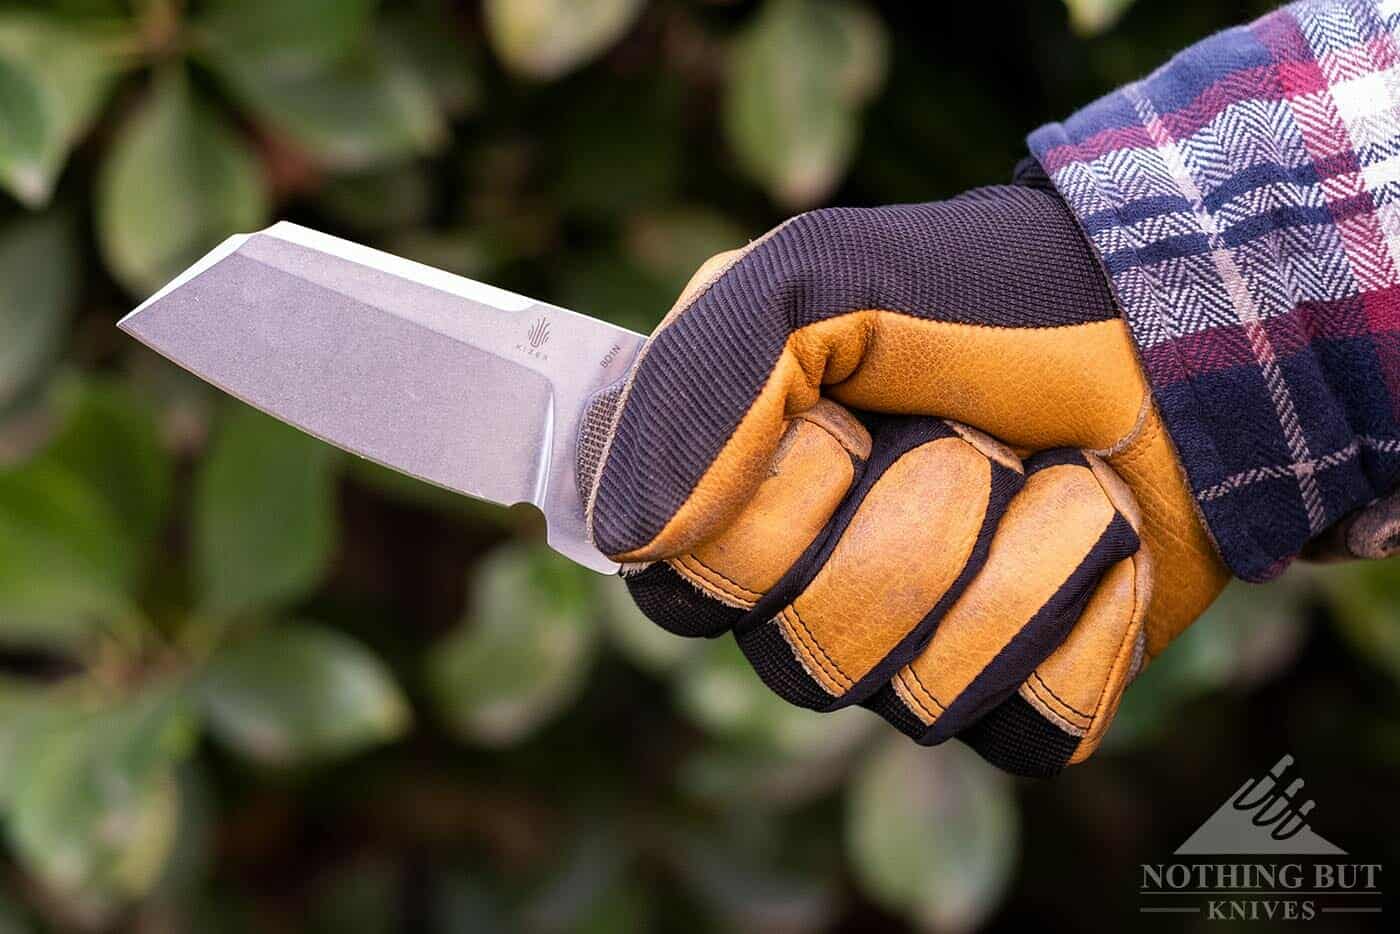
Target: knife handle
(595, 432)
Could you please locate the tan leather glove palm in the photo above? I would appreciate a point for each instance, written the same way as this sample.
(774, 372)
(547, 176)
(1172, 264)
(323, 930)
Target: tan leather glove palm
(899, 560)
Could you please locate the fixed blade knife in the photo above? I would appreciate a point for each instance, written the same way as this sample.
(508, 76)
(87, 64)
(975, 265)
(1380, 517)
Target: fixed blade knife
(452, 381)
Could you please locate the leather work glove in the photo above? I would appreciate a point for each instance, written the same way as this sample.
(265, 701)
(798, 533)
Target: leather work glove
(788, 461)
(1186, 318)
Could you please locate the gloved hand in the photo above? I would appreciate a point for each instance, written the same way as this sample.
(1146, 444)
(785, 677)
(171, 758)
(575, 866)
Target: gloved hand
(788, 461)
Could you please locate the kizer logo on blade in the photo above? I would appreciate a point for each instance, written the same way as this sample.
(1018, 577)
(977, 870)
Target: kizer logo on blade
(537, 336)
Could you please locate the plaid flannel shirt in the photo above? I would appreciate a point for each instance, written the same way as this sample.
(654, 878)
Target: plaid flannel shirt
(1245, 202)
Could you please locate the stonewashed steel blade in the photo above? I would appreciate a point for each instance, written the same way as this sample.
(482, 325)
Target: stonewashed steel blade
(452, 381)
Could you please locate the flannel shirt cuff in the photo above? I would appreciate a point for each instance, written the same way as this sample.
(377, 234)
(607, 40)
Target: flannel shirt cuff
(1245, 203)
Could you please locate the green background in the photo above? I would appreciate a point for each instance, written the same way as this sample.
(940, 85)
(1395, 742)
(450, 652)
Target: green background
(248, 683)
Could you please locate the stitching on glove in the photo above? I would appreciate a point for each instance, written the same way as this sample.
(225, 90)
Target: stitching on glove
(709, 577)
(1044, 710)
(728, 580)
(1129, 439)
(790, 614)
(1135, 638)
(1064, 703)
(709, 588)
(1066, 721)
(820, 676)
(1140, 445)
(973, 547)
(928, 695)
(910, 696)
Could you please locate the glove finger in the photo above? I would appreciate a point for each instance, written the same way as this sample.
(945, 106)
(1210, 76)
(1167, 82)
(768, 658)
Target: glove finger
(980, 308)
(1073, 521)
(705, 591)
(1060, 713)
(864, 598)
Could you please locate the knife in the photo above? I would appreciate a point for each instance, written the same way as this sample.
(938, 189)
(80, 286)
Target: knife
(452, 381)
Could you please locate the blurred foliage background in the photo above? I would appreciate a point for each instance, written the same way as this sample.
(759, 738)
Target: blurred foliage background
(247, 683)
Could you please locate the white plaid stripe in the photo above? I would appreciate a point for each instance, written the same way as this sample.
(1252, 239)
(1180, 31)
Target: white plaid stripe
(1178, 159)
(1333, 459)
(1369, 107)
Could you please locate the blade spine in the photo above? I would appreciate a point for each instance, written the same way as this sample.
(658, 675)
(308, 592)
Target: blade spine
(381, 260)
(388, 263)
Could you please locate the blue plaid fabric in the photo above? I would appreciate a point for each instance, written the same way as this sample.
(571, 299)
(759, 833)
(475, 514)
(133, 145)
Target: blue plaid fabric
(1245, 201)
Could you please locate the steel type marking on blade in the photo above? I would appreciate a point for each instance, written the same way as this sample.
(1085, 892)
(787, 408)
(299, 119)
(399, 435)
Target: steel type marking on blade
(455, 382)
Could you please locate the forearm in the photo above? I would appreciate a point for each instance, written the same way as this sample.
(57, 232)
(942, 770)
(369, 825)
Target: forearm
(1243, 201)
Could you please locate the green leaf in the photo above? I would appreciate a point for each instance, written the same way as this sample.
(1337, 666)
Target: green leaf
(932, 833)
(85, 9)
(12, 919)
(721, 773)
(26, 710)
(672, 244)
(94, 808)
(543, 39)
(525, 649)
(109, 440)
(309, 69)
(590, 893)
(758, 875)
(422, 43)
(79, 519)
(393, 197)
(363, 110)
(295, 693)
(264, 514)
(38, 289)
(721, 693)
(176, 183)
(22, 128)
(801, 73)
(66, 565)
(191, 858)
(1365, 601)
(71, 72)
(1091, 17)
(287, 34)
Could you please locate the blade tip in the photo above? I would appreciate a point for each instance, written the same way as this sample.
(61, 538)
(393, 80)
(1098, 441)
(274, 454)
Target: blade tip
(129, 324)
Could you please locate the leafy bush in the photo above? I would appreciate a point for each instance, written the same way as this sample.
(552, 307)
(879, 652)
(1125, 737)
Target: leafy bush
(247, 682)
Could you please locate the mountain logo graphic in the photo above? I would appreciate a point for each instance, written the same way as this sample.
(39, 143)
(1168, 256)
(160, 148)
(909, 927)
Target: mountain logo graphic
(1264, 818)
